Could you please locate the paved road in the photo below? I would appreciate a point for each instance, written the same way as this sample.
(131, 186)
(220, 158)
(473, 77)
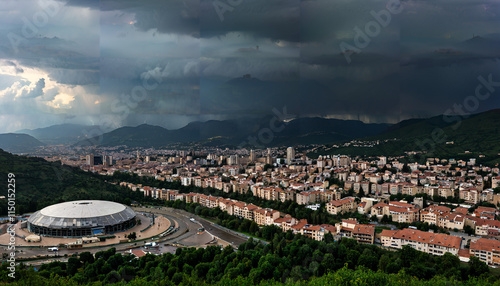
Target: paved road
(229, 236)
(184, 225)
(187, 228)
(216, 230)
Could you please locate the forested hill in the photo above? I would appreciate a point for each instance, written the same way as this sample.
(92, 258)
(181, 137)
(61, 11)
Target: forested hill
(19, 143)
(458, 137)
(39, 183)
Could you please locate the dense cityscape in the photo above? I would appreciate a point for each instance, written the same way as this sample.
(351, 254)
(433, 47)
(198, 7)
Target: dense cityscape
(457, 198)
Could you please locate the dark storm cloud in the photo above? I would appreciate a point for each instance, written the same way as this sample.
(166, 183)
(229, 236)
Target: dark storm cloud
(422, 62)
(478, 50)
(434, 89)
(273, 19)
(325, 20)
(173, 16)
(56, 55)
(174, 86)
(92, 4)
(425, 19)
(74, 77)
(366, 58)
(278, 69)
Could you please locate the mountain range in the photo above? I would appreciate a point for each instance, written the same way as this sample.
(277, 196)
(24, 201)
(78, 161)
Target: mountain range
(63, 133)
(438, 135)
(19, 143)
(236, 131)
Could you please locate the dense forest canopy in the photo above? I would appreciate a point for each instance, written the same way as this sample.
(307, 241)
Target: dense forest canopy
(39, 183)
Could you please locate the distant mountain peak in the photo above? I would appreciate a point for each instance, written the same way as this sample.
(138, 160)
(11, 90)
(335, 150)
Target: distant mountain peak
(19, 143)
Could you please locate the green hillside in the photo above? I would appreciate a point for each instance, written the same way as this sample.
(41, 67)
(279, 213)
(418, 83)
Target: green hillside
(235, 131)
(40, 183)
(19, 143)
(476, 135)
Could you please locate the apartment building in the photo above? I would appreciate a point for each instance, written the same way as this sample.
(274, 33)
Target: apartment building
(363, 233)
(191, 198)
(431, 213)
(305, 198)
(485, 212)
(432, 243)
(403, 212)
(451, 221)
(286, 195)
(248, 211)
(286, 222)
(429, 217)
(226, 205)
(297, 228)
(445, 191)
(411, 189)
(341, 206)
(400, 212)
(265, 216)
(470, 195)
(211, 202)
(317, 232)
(378, 209)
(326, 196)
(386, 237)
(366, 204)
(238, 209)
(484, 226)
(487, 250)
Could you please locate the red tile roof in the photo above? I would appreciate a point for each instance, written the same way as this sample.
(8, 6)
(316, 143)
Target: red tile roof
(482, 221)
(461, 210)
(428, 237)
(463, 253)
(400, 204)
(379, 205)
(485, 244)
(388, 232)
(438, 208)
(364, 229)
(138, 253)
(341, 202)
(300, 225)
(329, 227)
(281, 219)
(452, 217)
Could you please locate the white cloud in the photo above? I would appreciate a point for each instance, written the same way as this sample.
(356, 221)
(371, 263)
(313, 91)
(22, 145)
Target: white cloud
(61, 100)
(36, 98)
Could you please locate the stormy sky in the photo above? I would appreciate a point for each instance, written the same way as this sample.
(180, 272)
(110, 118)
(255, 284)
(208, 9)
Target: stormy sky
(170, 62)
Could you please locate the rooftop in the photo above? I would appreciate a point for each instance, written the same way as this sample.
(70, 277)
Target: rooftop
(83, 209)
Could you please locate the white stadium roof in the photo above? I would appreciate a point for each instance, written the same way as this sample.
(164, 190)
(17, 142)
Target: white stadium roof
(83, 209)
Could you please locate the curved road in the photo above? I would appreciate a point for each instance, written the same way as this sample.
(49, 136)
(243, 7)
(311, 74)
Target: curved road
(183, 216)
(187, 228)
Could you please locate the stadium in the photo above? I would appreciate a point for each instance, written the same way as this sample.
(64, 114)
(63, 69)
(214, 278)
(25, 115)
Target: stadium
(81, 218)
